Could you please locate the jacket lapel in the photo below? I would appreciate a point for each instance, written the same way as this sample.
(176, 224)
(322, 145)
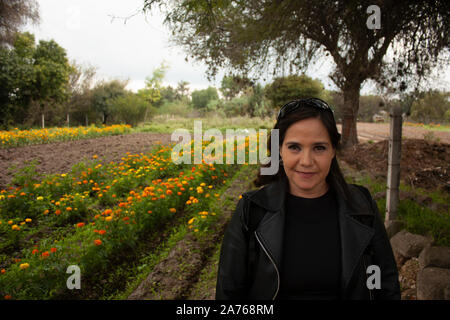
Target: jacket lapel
(355, 237)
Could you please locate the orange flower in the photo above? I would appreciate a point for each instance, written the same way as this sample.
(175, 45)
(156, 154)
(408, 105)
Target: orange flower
(102, 232)
(69, 209)
(7, 297)
(81, 224)
(53, 250)
(3, 271)
(149, 211)
(58, 212)
(35, 251)
(45, 254)
(98, 242)
(169, 192)
(126, 219)
(173, 210)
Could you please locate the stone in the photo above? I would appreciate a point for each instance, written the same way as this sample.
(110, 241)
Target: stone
(435, 257)
(409, 245)
(433, 284)
(393, 227)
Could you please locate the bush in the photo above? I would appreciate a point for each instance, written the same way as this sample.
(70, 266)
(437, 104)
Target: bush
(131, 109)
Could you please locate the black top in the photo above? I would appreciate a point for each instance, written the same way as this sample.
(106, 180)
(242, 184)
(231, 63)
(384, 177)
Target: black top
(311, 262)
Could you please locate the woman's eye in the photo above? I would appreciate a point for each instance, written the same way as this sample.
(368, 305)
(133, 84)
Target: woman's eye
(294, 148)
(320, 148)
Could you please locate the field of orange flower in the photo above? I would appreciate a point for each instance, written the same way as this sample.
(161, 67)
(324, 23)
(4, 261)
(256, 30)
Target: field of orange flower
(94, 212)
(17, 138)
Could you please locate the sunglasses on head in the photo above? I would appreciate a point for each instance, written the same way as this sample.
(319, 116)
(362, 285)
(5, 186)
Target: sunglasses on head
(296, 104)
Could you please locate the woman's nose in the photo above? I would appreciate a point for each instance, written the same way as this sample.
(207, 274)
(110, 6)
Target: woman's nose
(306, 158)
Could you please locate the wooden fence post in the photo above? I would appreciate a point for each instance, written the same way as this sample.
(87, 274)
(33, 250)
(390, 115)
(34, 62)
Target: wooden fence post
(393, 180)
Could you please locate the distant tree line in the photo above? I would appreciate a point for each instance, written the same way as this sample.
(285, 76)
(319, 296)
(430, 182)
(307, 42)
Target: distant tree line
(40, 87)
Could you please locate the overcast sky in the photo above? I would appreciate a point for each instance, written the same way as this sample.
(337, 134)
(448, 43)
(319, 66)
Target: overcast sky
(90, 35)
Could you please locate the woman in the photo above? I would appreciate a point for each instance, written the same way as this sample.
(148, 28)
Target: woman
(306, 233)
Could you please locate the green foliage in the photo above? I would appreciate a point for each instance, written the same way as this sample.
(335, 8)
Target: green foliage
(434, 106)
(231, 86)
(153, 84)
(131, 108)
(104, 94)
(201, 98)
(29, 74)
(292, 87)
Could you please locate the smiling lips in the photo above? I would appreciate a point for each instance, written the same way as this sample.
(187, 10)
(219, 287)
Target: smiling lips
(305, 175)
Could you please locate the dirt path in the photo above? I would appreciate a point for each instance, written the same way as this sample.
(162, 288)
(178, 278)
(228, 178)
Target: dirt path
(380, 131)
(59, 157)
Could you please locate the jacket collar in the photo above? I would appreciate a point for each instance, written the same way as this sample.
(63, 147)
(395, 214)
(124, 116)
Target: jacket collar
(355, 236)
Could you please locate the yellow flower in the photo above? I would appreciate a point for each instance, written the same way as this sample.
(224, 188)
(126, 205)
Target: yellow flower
(40, 198)
(190, 221)
(173, 210)
(108, 218)
(15, 227)
(24, 266)
(63, 175)
(27, 220)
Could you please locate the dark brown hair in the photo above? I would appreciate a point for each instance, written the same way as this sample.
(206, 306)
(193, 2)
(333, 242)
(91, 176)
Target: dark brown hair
(335, 177)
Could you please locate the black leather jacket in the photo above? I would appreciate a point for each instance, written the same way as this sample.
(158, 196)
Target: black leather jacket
(361, 246)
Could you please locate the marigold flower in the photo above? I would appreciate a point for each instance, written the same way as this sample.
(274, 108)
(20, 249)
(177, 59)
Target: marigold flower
(102, 232)
(81, 224)
(7, 297)
(149, 211)
(3, 271)
(98, 242)
(27, 220)
(35, 251)
(68, 209)
(53, 250)
(173, 210)
(45, 254)
(40, 198)
(58, 212)
(15, 227)
(191, 221)
(24, 266)
(108, 218)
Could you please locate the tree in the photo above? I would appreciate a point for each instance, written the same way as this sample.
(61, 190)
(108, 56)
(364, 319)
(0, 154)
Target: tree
(17, 76)
(431, 108)
(231, 86)
(182, 90)
(104, 94)
(248, 36)
(131, 108)
(80, 84)
(201, 98)
(292, 87)
(31, 76)
(52, 75)
(13, 15)
(153, 84)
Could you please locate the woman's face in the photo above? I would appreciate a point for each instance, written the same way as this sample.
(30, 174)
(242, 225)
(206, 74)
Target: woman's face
(307, 153)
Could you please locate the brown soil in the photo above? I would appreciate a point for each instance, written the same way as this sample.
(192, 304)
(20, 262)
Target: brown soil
(59, 157)
(423, 164)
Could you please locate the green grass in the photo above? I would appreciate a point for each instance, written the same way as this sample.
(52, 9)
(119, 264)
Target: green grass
(167, 124)
(418, 219)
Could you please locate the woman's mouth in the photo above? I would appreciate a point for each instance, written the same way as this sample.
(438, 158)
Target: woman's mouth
(305, 175)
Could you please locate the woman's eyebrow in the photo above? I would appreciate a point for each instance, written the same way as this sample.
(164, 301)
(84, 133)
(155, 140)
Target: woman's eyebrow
(315, 143)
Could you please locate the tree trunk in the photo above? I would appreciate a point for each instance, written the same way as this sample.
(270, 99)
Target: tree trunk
(86, 116)
(43, 121)
(349, 116)
(68, 120)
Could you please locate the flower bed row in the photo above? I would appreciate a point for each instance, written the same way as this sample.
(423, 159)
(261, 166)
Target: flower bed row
(17, 138)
